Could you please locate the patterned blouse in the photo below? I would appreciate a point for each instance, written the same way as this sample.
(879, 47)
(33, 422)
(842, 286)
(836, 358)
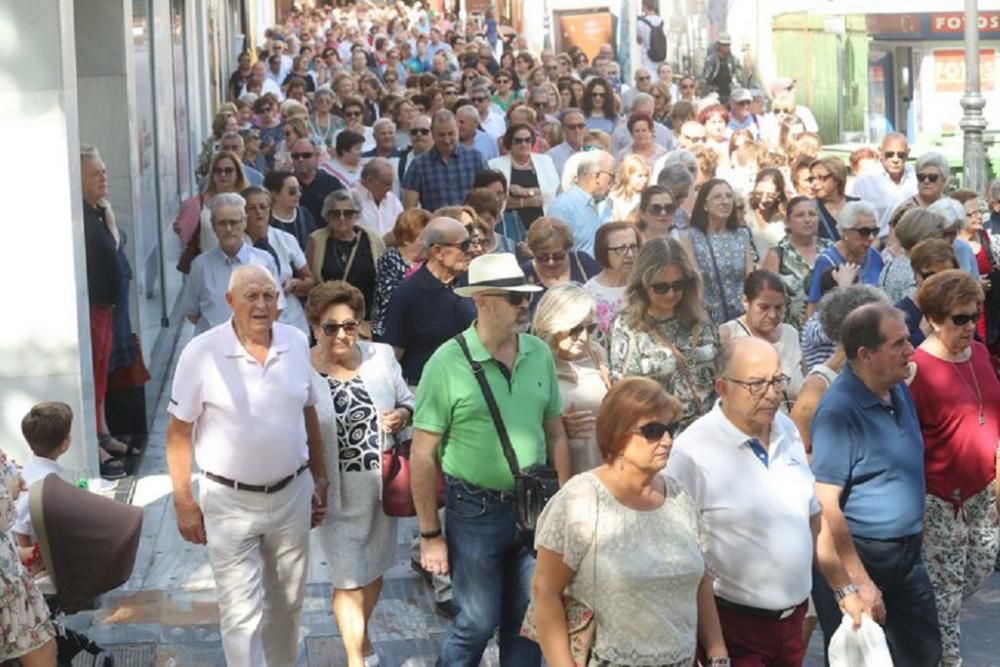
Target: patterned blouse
(644, 352)
(796, 273)
(722, 259)
(389, 273)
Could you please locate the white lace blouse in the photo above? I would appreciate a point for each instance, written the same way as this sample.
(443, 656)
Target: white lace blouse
(643, 589)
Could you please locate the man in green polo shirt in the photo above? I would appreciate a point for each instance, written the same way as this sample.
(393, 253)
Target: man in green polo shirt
(491, 562)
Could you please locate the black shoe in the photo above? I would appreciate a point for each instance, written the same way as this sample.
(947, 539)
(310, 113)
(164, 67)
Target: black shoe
(447, 608)
(424, 574)
(112, 469)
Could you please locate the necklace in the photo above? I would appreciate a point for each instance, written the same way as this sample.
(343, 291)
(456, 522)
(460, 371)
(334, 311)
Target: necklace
(526, 165)
(974, 387)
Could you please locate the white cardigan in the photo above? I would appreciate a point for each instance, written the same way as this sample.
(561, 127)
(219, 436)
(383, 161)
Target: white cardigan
(545, 169)
(383, 380)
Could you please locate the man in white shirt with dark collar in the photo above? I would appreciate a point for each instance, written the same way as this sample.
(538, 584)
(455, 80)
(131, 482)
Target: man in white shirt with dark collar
(745, 466)
(889, 184)
(243, 403)
(379, 206)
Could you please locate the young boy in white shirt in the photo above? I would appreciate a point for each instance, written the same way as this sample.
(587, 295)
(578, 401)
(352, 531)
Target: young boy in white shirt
(46, 428)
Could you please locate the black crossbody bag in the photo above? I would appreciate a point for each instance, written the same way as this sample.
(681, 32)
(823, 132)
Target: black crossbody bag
(534, 485)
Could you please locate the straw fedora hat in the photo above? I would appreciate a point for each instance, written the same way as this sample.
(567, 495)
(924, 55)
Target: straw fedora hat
(495, 271)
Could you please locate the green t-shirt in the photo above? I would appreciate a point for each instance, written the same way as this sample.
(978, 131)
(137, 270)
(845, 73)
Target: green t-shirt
(450, 402)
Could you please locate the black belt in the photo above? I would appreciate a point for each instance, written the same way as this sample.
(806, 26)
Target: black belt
(255, 488)
(773, 614)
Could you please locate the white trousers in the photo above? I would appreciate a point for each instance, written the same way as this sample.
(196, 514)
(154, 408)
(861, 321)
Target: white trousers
(258, 546)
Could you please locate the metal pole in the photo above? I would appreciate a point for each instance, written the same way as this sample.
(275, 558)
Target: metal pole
(973, 122)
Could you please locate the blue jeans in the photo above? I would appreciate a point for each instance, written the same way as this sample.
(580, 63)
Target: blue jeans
(491, 568)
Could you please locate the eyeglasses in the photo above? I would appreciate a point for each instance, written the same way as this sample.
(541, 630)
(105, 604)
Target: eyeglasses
(257, 207)
(291, 192)
(965, 318)
(302, 156)
(341, 213)
(550, 257)
(522, 140)
(578, 330)
(330, 329)
(419, 131)
(624, 249)
(928, 178)
(782, 110)
(642, 78)
(224, 171)
(575, 126)
(902, 155)
(462, 245)
(513, 298)
(758, 388)
(677, 286)
(867, 231)
(693, 140)
(662, 209)
(653, 432)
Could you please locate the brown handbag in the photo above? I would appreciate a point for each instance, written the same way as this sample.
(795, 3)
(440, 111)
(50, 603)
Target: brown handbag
(191, 250)
(397, 489)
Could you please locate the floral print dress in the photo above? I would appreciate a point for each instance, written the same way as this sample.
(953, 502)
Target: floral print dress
(680, 358)
(796, 273)
(24, 618)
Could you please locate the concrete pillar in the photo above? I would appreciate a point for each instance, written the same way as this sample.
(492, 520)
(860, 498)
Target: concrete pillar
(45, 343)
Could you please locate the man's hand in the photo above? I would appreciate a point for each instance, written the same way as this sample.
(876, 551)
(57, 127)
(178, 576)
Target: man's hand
(319, 502)
(853, 606)
(190, 522)
(434, 555)
(871, 597)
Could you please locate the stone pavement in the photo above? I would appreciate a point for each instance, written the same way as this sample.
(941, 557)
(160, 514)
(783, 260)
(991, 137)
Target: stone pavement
(166, 614)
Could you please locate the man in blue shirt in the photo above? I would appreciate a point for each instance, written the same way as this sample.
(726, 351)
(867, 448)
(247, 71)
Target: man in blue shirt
(868, 456)
(443, 175)
(582, 207)
(472, 136)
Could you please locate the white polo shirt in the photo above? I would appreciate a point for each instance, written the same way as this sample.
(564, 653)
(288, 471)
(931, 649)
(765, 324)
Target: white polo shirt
(755, 517)
(34, 470)
(248, 417)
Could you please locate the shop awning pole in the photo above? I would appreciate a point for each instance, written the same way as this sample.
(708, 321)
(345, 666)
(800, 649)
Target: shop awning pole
(973, 122)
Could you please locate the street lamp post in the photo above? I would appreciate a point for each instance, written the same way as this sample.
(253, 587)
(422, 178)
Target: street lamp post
(973, 122)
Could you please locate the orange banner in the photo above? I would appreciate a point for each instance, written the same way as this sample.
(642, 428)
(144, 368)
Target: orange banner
(949, 70)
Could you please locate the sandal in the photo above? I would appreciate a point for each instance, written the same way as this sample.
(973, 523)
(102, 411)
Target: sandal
(116, 447)
(112, 469)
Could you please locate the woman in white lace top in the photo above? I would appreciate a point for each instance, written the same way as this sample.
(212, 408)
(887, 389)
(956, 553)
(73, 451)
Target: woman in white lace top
(623, 540)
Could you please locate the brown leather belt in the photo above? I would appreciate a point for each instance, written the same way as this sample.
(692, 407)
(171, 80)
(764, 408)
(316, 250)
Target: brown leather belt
(256, 488)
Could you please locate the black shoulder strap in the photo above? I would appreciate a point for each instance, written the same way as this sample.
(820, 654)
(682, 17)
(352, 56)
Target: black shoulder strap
(480, 374)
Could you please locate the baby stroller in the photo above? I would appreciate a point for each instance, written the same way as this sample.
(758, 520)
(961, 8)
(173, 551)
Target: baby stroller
(88, 544)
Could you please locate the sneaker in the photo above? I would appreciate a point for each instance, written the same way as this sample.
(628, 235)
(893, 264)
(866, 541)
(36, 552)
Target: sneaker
(112, 469)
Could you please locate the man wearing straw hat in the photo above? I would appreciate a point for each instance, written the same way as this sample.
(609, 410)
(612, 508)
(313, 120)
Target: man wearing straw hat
(491, 561)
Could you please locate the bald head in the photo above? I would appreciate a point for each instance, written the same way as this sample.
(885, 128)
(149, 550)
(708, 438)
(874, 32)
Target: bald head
(248, 275)
(443, 230)
(745, 357)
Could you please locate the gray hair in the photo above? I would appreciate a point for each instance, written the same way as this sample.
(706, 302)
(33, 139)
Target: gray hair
(437, 230)
(374, 166)
(952, 212)
(382, 122)
(589, 162)
(838, 303)
(560, 309)
(233, 135)
(934, 159)
(89, 152)
(642, 98)
(675, 177)
(247, 272)
(227, 199)
(255, 190)
(848, 216)
(467, 111)
(568, 111)
(442, 116)
(919, 224)
(682, 157)
(993, 192)
(480, 88)
(339, 196)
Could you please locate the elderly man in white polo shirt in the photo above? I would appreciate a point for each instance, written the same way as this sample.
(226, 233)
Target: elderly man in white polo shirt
(242, 399)
(746, 469)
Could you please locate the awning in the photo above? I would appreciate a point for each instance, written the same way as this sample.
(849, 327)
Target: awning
(848, 7)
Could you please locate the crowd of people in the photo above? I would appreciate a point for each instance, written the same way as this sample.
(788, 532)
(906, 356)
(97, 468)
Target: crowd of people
(738, 353)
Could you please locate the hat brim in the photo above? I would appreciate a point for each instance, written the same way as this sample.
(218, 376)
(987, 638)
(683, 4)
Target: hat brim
(471, 290)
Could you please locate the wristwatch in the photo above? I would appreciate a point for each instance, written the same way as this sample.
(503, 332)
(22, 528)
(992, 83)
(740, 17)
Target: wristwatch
(431, 534)
(842, 593)
(719, 662)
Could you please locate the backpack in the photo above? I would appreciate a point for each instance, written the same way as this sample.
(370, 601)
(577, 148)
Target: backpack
(657, 47)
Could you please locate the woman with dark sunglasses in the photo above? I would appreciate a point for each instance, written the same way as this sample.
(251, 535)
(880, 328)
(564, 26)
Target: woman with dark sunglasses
(622, 539)
(663, 332)
(858, 227)
(599, 105)
(362, 403)
(960, 431)
(554, 261)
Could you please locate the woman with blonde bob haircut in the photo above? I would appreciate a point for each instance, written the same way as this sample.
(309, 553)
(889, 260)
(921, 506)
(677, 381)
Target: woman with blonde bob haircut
(664, 332)
(629, 527)
(566, 320)
(633, 177)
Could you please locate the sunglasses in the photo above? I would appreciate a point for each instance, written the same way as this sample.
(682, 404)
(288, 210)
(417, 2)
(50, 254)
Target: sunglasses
(694, 140)
(291, 192)
(676, 286)
(867, 231)
(928, 178)
(902, 155)
(578, 330)
(575, 126)
(419, 131)
(654, 431)
(596, 94)
(330, 329)
(462, 245)
(522, 140)
(662, 209)
(963, 319)
(225, 171)
(302, 156)
(550, 258)
(341, 213)
(514, 298)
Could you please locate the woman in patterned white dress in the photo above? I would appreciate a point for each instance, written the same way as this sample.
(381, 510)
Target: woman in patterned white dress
(364, 402)
(627, 526)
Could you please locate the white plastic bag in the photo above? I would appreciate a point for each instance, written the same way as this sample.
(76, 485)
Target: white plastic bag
(864, 647)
